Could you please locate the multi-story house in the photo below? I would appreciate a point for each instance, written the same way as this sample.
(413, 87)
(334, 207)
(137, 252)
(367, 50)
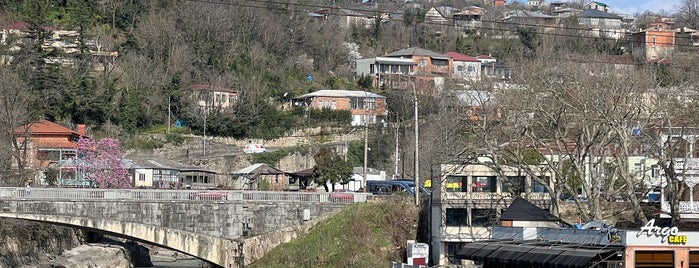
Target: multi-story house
(46, 144)
(365, 107)
(601, 24)
(536, 3)
(64, 41)
(343, 17)
(515, 19)
(654, 43)
(598, 6)
(469, 18)
(210, 97)
(491, 68)
(153, 172)
(465, 67)
(408, 69)
(467, 200)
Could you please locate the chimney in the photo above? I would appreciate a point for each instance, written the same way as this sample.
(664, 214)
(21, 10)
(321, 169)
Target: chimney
(80, 128)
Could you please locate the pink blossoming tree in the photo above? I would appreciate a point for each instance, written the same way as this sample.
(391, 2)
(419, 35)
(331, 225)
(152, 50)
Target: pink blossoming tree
(101, 162)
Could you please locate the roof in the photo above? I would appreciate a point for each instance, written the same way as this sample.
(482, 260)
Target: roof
(20, 25)
(147, 162)
(523, 210)
(416, 51)
(340, 12)
(202, 87)
(340, 93)
(456, 56)
(526, 14)
(44, 127)
(474, 98)
(594, 13)
(258, 169)
(600, 4)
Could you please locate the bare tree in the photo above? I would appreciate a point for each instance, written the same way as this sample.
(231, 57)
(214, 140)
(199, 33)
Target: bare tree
(15, 97)
(688, 13)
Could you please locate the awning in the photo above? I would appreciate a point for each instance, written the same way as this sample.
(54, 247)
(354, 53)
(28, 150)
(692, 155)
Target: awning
(482, 253)
(538, 256)
(468, 249)
(508, 254)
(575, 258)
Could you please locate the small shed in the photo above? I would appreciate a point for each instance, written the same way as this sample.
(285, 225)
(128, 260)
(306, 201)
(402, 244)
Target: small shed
(259, 176)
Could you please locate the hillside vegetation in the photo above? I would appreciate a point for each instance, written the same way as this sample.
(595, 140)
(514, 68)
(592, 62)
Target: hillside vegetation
(363, 235)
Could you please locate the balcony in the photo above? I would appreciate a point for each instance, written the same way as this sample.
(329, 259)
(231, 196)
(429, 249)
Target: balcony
(491, 196)
(686, 207)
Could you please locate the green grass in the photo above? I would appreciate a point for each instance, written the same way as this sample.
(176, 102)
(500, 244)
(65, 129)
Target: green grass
(362, 235)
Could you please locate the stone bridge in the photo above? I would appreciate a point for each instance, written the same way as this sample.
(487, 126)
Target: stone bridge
(226, 228)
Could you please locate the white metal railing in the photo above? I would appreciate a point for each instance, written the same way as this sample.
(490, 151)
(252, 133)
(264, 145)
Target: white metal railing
(174, 195)
(685, 207)
(492, 195)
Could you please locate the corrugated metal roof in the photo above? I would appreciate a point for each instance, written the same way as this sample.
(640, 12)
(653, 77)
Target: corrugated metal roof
(416, 51)
(340, 93)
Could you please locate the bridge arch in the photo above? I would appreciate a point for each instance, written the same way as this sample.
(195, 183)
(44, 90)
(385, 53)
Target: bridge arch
(216, 250)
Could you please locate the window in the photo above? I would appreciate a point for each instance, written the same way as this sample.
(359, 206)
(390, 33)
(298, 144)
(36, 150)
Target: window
(334, 105)
(369, 103)
(513, 185)
(460, 68)
(538, 187)
(327, 104)
(231, 99)
(483, 217)
(455, 184)
(440, 63)
(653, 40)
(457, 217)
(422, 63)
(471, 69)
(141, 177)
(483, 184)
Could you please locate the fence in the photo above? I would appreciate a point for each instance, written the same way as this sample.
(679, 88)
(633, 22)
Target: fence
(174, 195)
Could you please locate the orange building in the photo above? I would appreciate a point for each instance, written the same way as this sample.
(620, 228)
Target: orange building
(45, 144)
(654, 43)
(364, 106)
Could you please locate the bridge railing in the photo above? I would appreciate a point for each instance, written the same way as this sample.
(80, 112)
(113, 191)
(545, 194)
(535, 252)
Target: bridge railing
(174, 195)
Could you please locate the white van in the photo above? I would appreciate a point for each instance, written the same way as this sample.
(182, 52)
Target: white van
(254, 148)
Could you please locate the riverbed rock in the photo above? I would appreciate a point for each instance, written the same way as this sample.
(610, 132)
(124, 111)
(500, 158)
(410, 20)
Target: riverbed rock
(97, 255)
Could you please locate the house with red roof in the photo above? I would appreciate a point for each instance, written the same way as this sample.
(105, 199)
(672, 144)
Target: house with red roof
(465, 67)
(45, 144)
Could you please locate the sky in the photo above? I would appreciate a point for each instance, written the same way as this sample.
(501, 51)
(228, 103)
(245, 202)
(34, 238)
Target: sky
(639, 6)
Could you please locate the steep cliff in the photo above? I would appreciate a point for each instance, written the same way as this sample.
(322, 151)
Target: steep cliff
(23, 242)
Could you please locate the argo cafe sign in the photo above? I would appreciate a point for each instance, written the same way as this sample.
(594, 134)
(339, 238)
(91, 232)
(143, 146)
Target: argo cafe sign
(650, 234)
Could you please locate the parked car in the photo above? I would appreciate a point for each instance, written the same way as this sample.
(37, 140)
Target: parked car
(208, 196)
(254, 148)
(341, 195)
(394, 187)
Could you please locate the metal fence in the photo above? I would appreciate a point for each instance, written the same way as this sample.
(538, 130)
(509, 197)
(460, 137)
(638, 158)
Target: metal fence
(174, 195)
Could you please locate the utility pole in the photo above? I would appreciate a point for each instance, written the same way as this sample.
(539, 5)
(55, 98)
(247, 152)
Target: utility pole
(417, 163)
(366, 151)
(395, 164)
(169, 112)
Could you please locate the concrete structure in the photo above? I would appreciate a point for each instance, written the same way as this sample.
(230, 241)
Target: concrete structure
(653, 43)
(466, 67)
(210, 97)
(467, 200)
(231, 233)
(601, 24)
(364, 106)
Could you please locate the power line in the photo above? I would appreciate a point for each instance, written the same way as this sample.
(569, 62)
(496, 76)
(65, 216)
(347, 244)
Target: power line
(446, 25)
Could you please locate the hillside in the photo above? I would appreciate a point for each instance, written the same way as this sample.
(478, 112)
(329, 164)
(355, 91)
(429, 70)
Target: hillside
(363, 235)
